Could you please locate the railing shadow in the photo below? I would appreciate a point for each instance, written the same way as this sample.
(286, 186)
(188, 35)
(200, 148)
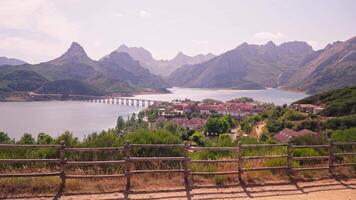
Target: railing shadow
(233, 191)
(259, 190)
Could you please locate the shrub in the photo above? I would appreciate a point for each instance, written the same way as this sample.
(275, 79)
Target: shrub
(341, 122)
(4, 138)
(293, 115)
(310, 139)
(198, 138)
(161, 136)
(248, 122)
(304, 152)
(348, 135)
(103, 139)
(68, 138)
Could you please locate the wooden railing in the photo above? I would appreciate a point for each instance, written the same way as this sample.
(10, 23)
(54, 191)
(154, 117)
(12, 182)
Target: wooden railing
(128, 160)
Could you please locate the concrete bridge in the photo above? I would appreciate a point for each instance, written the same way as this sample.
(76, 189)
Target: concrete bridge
(126, 101)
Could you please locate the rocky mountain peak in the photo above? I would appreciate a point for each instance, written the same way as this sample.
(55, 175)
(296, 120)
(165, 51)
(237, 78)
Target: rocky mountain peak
(122, 48)
(75, 50)
(180, 55)
(270, 44)
(75, 53)
(137, 53)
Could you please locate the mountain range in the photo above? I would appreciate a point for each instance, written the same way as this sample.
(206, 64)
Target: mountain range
(75, 73)
(329, 68)
(291, 65)
(162, 67)
(127, 70)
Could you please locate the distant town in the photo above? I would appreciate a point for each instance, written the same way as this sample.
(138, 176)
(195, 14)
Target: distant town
(194, 115)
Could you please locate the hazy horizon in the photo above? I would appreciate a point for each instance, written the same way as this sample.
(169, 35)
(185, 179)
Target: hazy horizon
(40, 30)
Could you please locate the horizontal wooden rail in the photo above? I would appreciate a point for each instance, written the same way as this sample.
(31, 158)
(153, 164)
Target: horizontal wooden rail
(94, 176)
(102, 162)
(215, 161)
(264, 168)
(29, 145)
(31, 174)
(344, 164)
(215, 173)
(262, 145)
(263, 157)
(344, 143)
(157, 158)
(158, 145)
(13, 161)
(345, 154)
(309, 168)
(213, 148)
(93, 149)
(311, 146)
(311, 158)
(156, 171)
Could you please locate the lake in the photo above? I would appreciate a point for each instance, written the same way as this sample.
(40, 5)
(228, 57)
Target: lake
(276, 96)
(82, 118)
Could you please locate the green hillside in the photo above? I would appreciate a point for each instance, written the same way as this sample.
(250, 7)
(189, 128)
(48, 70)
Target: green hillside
(22, 80)
(69, 87)
(338, 102)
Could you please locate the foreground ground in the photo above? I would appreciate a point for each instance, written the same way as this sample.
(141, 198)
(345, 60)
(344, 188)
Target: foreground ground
(332, 189)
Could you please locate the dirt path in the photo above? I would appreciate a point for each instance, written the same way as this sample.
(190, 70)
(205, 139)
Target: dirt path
(330, 189)
(258, 129)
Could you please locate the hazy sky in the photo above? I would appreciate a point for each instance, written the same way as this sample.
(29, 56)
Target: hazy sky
(39, 30)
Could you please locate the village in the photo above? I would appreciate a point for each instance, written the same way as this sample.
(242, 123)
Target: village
(193, 116)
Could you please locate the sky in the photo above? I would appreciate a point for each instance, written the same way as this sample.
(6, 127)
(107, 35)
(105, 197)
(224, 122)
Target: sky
(40, 30)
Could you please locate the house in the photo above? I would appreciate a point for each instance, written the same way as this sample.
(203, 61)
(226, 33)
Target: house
(192, 124)
(287, 134)
(308, 108)
(235, 109)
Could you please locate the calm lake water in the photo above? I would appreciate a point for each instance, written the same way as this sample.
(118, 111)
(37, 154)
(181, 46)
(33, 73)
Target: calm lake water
(278, 97)
(82, 118)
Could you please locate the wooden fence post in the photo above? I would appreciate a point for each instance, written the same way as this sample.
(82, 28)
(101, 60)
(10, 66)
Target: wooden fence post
(289, 158)
(186, 169)
(331, 156)
(127, 168)
(62, 165)
(239, 160)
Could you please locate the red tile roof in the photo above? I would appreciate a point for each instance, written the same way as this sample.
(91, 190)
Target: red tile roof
(286, 134)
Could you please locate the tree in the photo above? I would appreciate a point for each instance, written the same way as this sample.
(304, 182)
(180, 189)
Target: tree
(133, 118)
(4, 138)
(27, 139)
(230, 120)
(68, 139)
(120, 124)
(44, 138)
(216, 125)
